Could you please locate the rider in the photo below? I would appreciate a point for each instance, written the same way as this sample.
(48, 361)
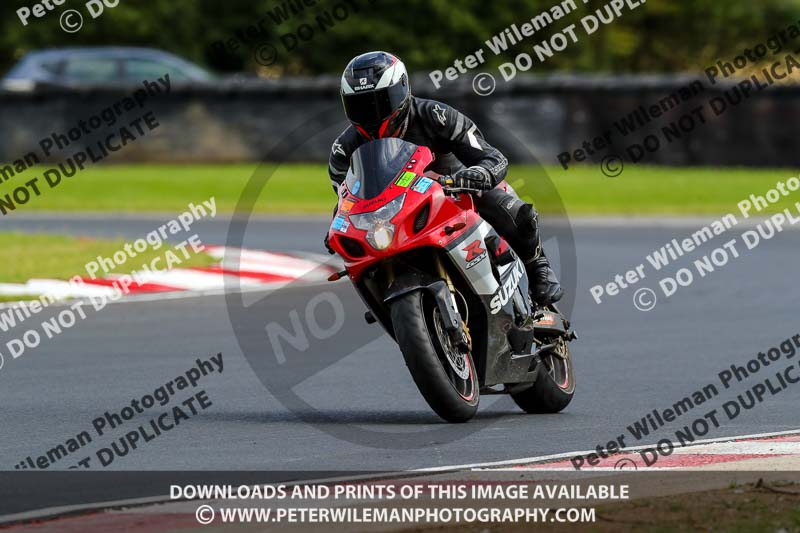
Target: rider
(378, 103)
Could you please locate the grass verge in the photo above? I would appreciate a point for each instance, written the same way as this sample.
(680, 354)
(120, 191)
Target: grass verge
(305, 189)
(59, 257)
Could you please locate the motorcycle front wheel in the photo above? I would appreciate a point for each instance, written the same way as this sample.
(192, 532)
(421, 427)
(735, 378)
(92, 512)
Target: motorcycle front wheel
(444, 375)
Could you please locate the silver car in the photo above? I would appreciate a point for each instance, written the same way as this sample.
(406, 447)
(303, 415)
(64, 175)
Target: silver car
(99, 66)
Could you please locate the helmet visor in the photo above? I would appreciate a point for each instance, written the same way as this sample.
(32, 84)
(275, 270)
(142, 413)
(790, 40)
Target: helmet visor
(370, 108)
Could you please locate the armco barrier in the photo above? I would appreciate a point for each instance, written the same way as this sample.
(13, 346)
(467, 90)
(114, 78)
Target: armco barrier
(239, 120)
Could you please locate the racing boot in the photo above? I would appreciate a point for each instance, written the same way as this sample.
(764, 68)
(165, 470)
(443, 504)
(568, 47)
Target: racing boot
(543, 284)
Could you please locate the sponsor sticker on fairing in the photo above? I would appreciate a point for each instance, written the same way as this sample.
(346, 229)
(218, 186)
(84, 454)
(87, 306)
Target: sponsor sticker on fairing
(422, 185)
(548, 319)
(340, 223)
(405, 179)
(347, 205)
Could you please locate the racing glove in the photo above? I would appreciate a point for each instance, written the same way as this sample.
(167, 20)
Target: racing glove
(473, 178)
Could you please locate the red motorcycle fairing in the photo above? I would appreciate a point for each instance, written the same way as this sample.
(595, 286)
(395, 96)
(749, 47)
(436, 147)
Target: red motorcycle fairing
(447, 217)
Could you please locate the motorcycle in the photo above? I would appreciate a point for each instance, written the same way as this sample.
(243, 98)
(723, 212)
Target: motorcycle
(446, 287)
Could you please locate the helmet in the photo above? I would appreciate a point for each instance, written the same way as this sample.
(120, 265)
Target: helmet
(375, 94)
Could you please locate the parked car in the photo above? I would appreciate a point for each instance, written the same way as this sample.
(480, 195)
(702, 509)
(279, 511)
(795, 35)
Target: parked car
(102, 65)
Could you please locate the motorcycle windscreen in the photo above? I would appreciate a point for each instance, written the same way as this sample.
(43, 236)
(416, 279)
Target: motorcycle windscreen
(375, 165)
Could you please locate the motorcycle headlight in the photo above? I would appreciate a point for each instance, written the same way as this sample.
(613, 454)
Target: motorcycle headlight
(377, 224)
(382, 237)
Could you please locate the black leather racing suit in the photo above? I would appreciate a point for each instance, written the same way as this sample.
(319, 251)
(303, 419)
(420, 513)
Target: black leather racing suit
(457, 142)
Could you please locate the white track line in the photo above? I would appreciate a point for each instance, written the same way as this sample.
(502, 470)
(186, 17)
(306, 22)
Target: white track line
(547, 458)
(185, 295)
(53, 288)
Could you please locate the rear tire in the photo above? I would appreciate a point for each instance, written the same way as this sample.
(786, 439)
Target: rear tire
(452, 397)
(554, 386)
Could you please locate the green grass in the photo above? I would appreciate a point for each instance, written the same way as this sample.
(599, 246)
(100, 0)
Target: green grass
(666, 190)
(7, 299)
(305, 188)
(58, 257)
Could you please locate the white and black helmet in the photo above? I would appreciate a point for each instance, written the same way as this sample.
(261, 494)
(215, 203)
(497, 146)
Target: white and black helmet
(375, 94)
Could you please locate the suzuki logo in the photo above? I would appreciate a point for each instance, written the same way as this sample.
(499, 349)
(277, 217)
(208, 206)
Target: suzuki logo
(363, 81)
(504, 293)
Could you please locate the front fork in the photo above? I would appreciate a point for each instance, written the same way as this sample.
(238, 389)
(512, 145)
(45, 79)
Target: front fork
(459, 335)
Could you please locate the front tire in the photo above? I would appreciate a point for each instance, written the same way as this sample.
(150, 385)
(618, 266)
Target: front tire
(449, 385)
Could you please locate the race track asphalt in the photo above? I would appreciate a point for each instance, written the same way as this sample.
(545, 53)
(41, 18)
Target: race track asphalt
(627, 362)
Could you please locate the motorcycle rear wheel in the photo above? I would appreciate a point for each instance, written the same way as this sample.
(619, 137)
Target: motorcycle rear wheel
(554, 386)
(449, 384)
